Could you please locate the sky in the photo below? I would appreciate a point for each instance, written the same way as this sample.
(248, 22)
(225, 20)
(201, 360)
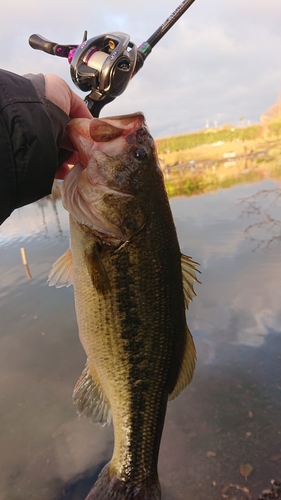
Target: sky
(219, 64)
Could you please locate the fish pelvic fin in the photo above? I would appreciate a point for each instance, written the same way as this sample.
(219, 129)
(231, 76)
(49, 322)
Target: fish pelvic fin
(110, 487)
(187, 367)
(189, 270)
(89, 397)
(61, 273)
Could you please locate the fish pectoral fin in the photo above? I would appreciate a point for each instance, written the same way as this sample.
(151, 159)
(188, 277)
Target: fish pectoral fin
(96, 269)
(187, 366)
(89, 398)
(61, 273)
(189, 270)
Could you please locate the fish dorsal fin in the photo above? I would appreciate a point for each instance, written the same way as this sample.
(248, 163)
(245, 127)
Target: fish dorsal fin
(61, 273)
(189, 269)
(187, 366)
(96, 269)
(89, 398)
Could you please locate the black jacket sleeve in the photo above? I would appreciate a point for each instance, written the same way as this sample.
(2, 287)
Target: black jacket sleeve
(31, 129)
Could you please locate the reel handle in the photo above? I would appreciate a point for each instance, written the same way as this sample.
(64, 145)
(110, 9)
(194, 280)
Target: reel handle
(38, 42)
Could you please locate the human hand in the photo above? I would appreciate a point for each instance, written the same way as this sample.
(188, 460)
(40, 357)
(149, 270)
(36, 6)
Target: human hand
(59, 92)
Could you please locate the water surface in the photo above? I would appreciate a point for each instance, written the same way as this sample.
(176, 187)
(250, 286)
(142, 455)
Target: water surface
(228, 416)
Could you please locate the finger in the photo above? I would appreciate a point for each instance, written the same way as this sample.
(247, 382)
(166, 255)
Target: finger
(78, 108)
(62, 171)
(73, 158)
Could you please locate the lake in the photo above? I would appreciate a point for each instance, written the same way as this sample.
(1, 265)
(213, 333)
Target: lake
(223, 427)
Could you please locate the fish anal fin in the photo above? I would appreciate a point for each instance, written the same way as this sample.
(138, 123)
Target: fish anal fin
(89, 397)
(187, 366)
(61, 273)
(189, 270)
(96, 269)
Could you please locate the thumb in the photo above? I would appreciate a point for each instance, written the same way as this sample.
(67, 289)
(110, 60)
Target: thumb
(78, 108)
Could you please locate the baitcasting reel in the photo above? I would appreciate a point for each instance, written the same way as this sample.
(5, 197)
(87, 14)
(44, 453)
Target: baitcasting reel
(102, 65)
(105, 64)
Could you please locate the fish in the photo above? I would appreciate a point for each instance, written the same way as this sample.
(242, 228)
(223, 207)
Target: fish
(132, 286)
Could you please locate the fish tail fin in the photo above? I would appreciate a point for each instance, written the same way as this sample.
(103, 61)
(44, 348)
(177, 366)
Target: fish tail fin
(110, 487)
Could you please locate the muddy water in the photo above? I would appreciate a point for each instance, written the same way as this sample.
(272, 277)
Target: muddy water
(228, 416)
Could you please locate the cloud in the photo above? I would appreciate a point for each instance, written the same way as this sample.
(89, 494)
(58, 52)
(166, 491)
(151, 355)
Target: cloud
(220, 59)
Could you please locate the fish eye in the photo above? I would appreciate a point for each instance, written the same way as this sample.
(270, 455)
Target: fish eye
(140, 154)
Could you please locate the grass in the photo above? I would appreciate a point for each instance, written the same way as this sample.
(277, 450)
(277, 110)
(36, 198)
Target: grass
(208, 136)
(211, 171)
(207, 152)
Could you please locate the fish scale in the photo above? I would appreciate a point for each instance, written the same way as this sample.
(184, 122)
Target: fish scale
(154, 351)
(129, 299)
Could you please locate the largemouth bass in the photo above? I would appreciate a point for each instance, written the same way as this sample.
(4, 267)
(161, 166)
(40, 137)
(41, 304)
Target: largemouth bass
(131, 286)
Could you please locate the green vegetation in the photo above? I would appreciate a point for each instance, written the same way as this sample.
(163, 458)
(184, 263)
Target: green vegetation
(219, 158)
(206, 181)
(195, 139)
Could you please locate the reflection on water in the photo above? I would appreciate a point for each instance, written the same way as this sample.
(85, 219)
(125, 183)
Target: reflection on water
(265, 205)
(228, 416)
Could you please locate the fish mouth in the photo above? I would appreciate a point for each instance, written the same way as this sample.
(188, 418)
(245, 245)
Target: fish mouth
(89, 191)
(103, 134)
(109, 129)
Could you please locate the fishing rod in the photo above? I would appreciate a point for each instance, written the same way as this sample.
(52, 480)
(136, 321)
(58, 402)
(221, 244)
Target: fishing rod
(105, 64)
